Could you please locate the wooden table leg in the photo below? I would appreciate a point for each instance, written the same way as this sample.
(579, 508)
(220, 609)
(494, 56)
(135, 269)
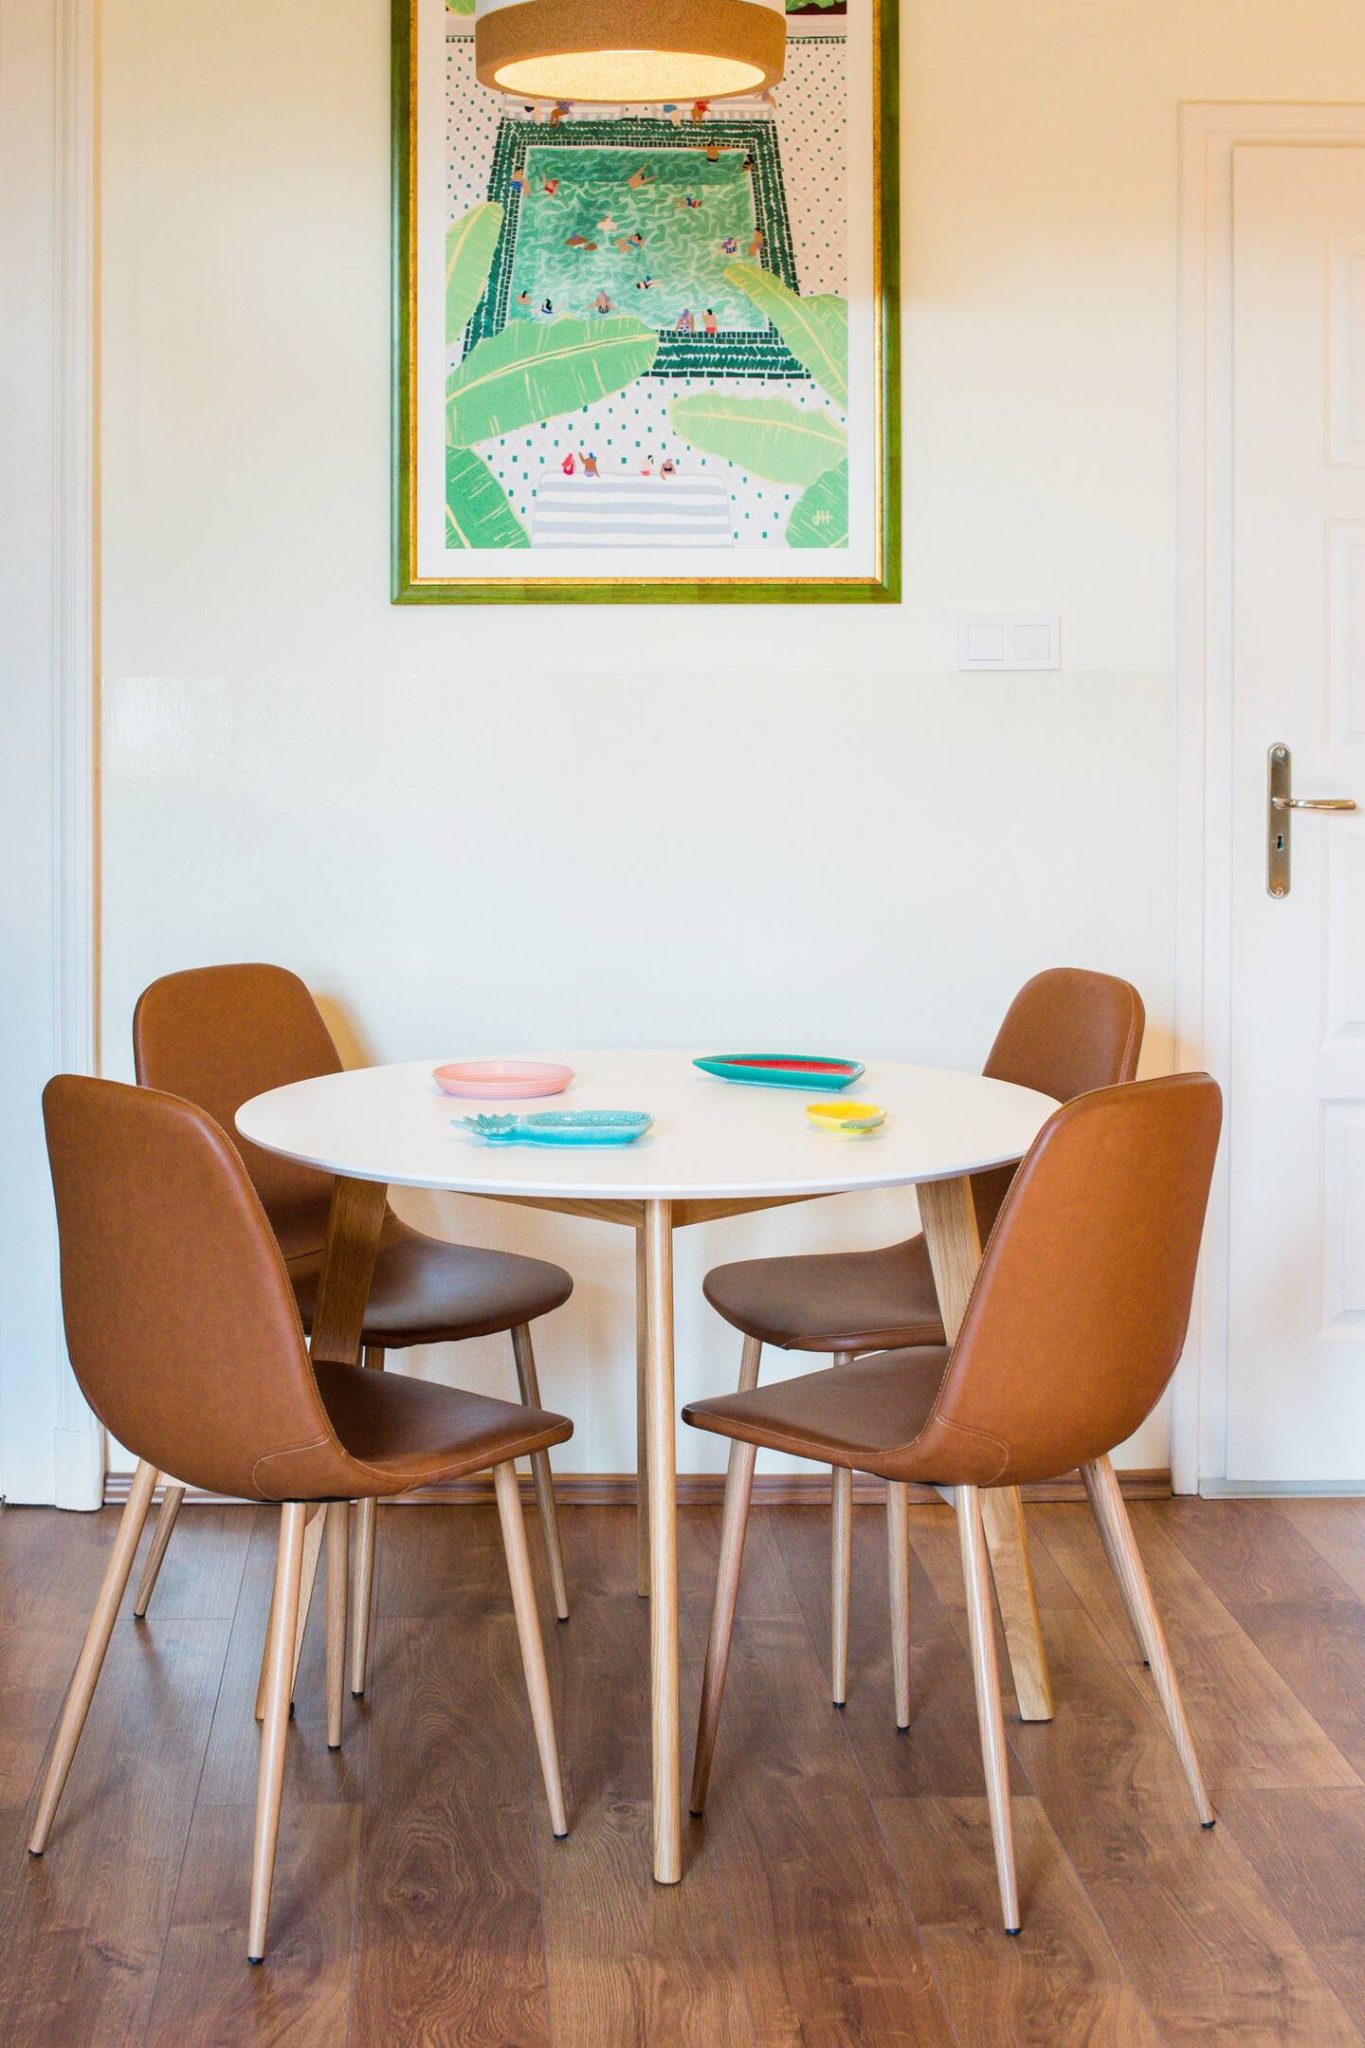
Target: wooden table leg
(663, 1540)
(641, 1420)
(949, 1218)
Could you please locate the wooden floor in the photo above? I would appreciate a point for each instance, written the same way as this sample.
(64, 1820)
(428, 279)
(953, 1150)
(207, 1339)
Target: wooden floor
(841, 1890)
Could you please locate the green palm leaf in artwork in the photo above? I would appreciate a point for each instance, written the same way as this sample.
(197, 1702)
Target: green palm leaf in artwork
(529, 374)
(470, 243)
(770, 437)
(815, 330)
(477, 512)
(820, 516)
(467, 6)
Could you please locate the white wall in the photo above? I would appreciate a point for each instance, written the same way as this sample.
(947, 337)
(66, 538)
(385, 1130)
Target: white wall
(496, 827)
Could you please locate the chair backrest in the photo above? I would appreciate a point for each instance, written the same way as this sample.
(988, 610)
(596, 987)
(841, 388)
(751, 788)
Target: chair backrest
(1078, 1314)
(1066, 1032)
(219, 1035)
(180, 1318)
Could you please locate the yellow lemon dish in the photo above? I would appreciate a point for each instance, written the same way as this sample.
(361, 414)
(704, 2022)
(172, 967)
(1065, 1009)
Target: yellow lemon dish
(849, 1119)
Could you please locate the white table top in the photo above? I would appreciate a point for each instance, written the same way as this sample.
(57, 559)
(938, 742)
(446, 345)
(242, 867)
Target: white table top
(710, 1139)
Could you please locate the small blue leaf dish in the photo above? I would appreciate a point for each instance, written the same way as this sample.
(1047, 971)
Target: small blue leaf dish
(560, 1127)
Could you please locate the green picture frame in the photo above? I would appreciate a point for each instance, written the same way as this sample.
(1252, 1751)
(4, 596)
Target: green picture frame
(881, 586)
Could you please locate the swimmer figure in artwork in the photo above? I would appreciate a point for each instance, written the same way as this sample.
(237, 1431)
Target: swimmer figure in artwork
(589, 463)
(708, 321)
(577, 241)
(755, 243)
(558, 111)
(567, 465)
(604, 303)
(606, 226)
(547, 308)
(551, 188)
(625, 243)
(730, 247)
(699, 110)
(524, 301)
(686, 322)
(668, 467)
(645, 283)
(644, 176)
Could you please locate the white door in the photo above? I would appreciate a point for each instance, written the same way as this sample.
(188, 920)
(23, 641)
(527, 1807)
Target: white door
(1296, 1359)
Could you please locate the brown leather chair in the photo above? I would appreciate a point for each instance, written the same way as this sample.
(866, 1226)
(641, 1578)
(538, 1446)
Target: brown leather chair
(219, 1035)
(1067, 1031)
(1074, 1326)
(185, 1336)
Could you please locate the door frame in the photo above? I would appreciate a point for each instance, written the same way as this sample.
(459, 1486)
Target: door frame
(1209, 136)
(51, 1446)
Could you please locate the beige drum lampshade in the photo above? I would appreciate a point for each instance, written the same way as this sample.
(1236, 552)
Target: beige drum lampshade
(629, 51)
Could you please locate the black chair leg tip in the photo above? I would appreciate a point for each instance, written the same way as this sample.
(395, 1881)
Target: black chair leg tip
(256, 1961)
(1207, 1824)
(838, 1706)
(561, 1619)
(356, 1695)
(334, 1748)
(564, 1837)
(1014, 1932)
(35, 1854)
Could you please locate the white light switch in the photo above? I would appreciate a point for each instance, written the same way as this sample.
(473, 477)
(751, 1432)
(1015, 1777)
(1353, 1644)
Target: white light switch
(1008, 640)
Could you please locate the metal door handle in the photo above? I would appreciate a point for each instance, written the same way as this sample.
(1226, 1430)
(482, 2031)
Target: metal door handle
(1314, 803)
(1279, 804)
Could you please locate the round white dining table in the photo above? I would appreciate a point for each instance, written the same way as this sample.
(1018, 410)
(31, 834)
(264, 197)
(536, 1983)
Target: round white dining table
(715, 1149)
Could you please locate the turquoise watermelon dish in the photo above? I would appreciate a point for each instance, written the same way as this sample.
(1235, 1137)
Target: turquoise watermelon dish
(782, 1069)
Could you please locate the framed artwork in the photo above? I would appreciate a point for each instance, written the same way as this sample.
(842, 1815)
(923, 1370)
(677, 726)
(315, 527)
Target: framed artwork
(647, 354)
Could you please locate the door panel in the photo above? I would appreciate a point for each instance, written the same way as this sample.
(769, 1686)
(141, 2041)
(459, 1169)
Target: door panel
(1296, 1364)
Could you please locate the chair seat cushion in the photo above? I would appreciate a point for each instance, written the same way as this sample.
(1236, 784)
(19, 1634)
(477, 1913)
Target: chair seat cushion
(832, 1301)
(414, 1432)
(865, 1415)
(427, 1292)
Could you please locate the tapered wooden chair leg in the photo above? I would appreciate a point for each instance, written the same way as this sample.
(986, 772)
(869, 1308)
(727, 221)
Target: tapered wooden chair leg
(986, 1676)
(750, 1360)
(898, 1576)
(338, 1562)
(362, 1597)
(1102, 1485)
(841, 1573)
(1115, 1566)
(528, 1633)
(841, 1569)
(529, 1385)
(89, 1663)
(172, 1500)
(362, 1601)
(284, 1610)
(1002, 1516)
(316, 1517)
(739, 1484)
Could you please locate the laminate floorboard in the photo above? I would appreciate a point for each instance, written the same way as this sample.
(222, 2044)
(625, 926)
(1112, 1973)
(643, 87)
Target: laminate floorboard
(840, 1891)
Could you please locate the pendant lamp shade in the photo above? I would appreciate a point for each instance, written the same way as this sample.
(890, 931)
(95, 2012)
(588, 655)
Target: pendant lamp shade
(629, 51)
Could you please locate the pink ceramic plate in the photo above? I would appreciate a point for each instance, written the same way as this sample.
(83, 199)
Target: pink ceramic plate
(501, 1080)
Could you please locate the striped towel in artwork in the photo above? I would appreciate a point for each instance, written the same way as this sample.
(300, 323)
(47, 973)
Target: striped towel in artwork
(631, 512)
